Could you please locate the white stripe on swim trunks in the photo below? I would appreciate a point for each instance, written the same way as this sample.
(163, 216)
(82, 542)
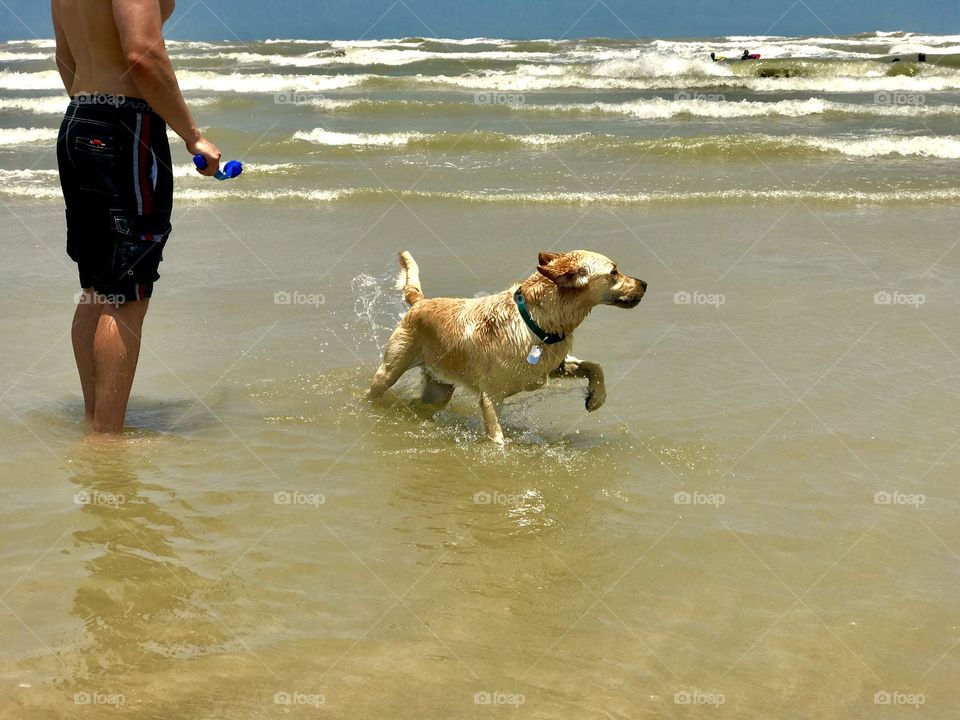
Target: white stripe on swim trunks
(136, 165)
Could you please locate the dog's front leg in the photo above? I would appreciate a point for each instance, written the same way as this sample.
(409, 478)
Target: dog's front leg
(596, 389)
(490, 422)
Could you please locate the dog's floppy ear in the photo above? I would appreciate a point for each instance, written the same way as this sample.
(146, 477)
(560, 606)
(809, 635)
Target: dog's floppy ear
(562, 274)
(545, 258)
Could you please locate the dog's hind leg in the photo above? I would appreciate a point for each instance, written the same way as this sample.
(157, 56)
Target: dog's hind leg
(400, 356)
(434, 393)
(490, 422)
(596, 388)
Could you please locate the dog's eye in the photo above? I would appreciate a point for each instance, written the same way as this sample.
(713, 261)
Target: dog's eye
(614, 271)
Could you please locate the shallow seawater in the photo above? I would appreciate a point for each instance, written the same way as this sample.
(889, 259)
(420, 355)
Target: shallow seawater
(760, 522)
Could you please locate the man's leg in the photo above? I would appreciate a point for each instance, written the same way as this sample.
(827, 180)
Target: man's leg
(116, 349)
(85, 321)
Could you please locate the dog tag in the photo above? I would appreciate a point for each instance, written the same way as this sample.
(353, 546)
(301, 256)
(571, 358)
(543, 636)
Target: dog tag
(534, 357)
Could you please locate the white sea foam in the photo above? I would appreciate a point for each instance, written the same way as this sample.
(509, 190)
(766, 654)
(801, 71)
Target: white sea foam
(943, 147)
(700, 105)
(581, 199)
(257, 83)
(320, 136)
(22, 56)
(549, 77)
(37, 106)
(28, 175)
(46, 80)
(36, 43)
(909, 48)
(627, 72)
(203, 80)
(43, 185)
(363, 56)
(27, 136)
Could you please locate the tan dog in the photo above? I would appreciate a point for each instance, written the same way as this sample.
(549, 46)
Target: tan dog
(503, 344)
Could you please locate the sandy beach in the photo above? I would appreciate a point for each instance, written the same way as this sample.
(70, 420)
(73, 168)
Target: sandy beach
(760, 523)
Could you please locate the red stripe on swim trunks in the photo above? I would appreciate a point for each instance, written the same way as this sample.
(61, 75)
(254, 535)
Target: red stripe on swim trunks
(146, 182)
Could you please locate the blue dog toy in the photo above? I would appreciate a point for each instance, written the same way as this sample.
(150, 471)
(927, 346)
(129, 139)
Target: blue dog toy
(231, 170)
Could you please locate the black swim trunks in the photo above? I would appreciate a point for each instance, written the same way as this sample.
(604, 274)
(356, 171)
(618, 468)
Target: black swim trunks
(117, 180)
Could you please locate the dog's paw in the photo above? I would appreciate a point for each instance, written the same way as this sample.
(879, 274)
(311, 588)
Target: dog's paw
(596, 398)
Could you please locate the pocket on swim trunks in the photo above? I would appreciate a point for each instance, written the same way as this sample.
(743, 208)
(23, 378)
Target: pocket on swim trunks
(138, 246)
(95, 151)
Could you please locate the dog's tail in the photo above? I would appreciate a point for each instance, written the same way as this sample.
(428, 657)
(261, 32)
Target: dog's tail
(409, 280)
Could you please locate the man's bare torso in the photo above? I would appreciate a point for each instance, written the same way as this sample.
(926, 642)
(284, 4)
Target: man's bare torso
(95, 45)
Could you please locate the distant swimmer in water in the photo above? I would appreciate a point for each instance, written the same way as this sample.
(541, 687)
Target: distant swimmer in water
(747, 55)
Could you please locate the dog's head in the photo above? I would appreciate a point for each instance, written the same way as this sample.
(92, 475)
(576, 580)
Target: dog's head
(592, 275)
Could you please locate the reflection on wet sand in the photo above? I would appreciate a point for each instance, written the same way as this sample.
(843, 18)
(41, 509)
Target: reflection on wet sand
(141, 606)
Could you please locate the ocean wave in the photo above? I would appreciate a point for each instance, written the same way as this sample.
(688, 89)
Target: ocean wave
(186, 170)
(45, 80)
(320, 136)
(744, 145)
(531, 78)
(645, 74)
(49, 190)
(585, 198)
(694, 106)
(913, 47)
(392, 57)
(38, 106)
(36, 43)
(21, 57)
(27, 136)
(192, 45)
(239, 82)
(686, 104)
(204, 81)
(476, 140)
(946, 148)
(57, 105)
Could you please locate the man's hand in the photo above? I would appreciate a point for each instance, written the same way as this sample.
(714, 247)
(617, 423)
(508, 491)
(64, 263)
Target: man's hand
(210, 153)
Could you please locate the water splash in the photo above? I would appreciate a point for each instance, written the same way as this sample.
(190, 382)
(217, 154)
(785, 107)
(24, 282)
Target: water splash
(378, 308)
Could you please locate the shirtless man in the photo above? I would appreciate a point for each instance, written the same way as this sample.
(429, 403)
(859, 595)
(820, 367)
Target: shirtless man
(115, 171)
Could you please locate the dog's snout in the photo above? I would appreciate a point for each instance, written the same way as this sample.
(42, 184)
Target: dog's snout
(643, 285)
